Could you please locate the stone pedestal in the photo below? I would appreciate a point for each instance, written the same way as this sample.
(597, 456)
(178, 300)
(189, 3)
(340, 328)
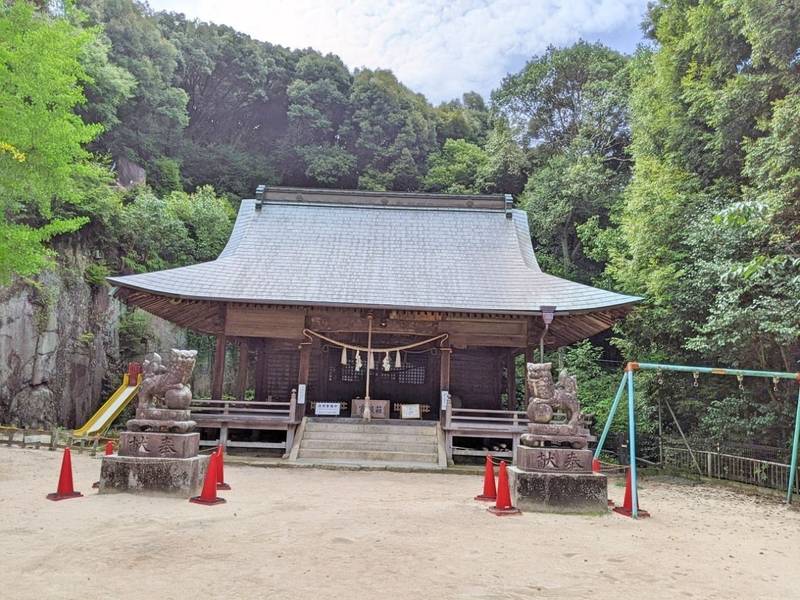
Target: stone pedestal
(558, 492)
(148, 444)
(181, 477)
(549, 459)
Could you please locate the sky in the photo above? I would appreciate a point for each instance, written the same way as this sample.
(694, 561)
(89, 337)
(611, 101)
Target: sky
(438, 47)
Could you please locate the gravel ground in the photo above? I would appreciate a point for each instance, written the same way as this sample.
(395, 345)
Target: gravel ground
(307, 533)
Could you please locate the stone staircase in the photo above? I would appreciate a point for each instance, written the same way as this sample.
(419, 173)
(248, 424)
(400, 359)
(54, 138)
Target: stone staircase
(376, 443)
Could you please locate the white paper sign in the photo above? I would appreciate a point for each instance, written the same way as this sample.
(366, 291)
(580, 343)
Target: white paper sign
(409, 411)
(301, 393)
(445, 398)
(329, 409)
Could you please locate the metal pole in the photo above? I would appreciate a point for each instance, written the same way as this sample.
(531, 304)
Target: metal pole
(683, 437)
(632, 446)
(717, 371)
(611, 414)
(793, 468)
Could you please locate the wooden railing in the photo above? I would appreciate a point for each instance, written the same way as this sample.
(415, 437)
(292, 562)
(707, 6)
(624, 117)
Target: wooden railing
(276, 410)
(477, 417)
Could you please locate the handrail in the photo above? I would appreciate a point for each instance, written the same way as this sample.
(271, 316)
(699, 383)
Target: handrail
(258, 411)
(489, 410)
(248, 402)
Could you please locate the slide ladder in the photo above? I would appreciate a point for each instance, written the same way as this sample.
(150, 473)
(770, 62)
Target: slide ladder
(100, 421)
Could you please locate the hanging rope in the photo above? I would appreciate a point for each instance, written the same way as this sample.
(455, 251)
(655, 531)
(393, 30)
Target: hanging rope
(308, 333)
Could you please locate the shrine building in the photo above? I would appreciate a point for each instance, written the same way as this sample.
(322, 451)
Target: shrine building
(411, 306)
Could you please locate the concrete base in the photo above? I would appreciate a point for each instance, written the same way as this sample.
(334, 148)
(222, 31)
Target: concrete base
(581, 493)
(181, 477)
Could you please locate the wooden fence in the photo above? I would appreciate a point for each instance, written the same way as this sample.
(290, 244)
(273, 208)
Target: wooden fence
(762, 473)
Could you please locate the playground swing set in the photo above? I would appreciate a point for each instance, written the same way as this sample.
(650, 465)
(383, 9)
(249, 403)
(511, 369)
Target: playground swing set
(627, 382)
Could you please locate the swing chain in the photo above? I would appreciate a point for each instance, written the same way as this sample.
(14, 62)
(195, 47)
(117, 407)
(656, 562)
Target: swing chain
(696, 376)
(740, 379)
(775, 384)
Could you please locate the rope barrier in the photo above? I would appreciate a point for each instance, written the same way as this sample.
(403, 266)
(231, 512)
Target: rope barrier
(308, 333)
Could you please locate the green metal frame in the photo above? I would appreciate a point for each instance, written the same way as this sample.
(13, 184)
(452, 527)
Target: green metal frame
(627, 381)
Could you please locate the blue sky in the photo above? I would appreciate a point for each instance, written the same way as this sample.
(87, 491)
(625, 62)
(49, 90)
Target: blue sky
(437, 47)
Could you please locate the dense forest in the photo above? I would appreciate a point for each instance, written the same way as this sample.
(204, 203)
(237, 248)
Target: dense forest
(673, 174)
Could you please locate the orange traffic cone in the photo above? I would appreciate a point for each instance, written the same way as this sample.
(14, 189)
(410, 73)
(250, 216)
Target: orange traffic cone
(65, 489)
(626, 509)
(489, 491)
(108, 452)
(597, 468)
(209, 493)
(221, 485)
(502, 506)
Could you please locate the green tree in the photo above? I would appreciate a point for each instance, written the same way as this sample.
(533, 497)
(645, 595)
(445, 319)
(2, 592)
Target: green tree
(569, 109)
(455, 168)
(44, 163)
(151, 119)
(390, 131)
(709, 226)
(468, 119)
(175, 230)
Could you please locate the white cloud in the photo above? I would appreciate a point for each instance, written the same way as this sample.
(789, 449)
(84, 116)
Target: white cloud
(438, 47)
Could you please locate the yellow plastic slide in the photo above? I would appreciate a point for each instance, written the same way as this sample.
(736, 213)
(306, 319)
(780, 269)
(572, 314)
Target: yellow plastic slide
(105, 415)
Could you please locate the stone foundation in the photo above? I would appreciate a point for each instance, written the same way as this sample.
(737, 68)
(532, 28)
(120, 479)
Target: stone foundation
(554, 459)
(148, 444)
(181, 477)
(583, 493)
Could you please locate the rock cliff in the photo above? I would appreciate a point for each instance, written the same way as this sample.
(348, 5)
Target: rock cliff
(59, 345)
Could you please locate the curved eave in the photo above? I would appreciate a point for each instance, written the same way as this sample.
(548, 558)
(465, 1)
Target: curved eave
(620, 303)
(207, 315)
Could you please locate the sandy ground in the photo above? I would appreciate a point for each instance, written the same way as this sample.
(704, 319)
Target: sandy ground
(301, 533)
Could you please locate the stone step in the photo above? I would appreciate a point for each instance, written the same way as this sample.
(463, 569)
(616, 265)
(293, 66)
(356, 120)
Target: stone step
(368, 446)
(388, 438)
(372, 428)
(358, 455)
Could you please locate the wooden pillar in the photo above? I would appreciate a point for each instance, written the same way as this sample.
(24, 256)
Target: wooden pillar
(241, 371)
(529, 354)
(302, 378)
(444, 381)
(218, 372)
(261, 371)
(511, 380)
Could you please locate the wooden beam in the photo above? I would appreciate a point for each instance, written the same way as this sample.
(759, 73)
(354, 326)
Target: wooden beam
(444, 380)
(511, 380)
(241, 371)
(218, 372)
(261, 371)
(354, 323)
(302, 376)
(529, 352)
(264, 321)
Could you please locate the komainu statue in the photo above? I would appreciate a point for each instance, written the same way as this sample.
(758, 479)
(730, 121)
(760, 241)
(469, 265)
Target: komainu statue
(549, 400)
(165, 395)
(167, 386)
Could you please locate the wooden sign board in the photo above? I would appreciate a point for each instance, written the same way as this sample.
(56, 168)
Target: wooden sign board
(410, 411)
(264, 322)
(327, 409)
(379, 409)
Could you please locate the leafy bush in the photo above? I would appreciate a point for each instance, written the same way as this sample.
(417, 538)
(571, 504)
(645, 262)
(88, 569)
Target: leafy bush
(96, 273)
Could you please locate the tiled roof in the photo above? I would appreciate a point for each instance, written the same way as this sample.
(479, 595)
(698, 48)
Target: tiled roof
(379, 256)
